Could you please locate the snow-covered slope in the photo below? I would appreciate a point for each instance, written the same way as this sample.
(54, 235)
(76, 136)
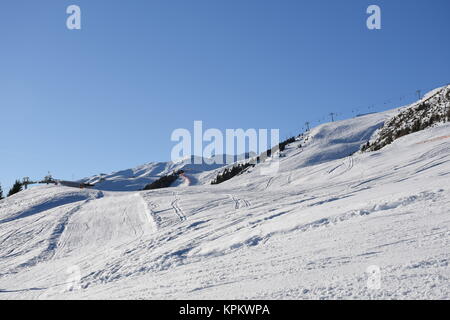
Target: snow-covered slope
(311, 229)
(324, 143)
(433, 108)
(137, 178)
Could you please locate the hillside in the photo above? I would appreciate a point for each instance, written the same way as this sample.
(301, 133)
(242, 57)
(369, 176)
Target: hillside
(312, 227)
(434, 108)
(137, 178)
(324, 143)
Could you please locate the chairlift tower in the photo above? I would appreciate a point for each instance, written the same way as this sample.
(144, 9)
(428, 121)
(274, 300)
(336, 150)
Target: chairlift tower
(25, 182)
(332, 114)
(48, 179)
(419, 94)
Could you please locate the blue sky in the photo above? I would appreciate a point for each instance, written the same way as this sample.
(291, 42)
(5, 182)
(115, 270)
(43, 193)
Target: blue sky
(108, 97)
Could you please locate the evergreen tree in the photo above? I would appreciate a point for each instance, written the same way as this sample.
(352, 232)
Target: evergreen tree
(164, 181)
(17, 187)
(1, 192)
(416, 126)
(229, 173)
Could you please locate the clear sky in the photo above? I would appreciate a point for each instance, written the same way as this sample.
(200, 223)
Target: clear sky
(108, 96)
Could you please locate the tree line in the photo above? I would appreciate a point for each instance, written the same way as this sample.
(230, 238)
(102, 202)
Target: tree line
(239, 168)
(16, 188)
(412, 120)
(164, 181)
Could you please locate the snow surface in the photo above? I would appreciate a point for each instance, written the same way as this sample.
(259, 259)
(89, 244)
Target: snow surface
(309, 230)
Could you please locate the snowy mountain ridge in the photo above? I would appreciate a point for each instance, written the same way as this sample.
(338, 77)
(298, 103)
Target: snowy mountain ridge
(432, 109)
(137, 178)
(435, 106)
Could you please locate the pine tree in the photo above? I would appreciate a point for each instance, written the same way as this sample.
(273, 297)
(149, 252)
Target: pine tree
(416, 126)
(17, 187)
(1, 192)
(164, 181)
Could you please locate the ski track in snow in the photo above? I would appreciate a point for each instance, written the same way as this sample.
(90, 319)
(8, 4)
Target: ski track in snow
(176, 208)
(239, 203)
(269, 182)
